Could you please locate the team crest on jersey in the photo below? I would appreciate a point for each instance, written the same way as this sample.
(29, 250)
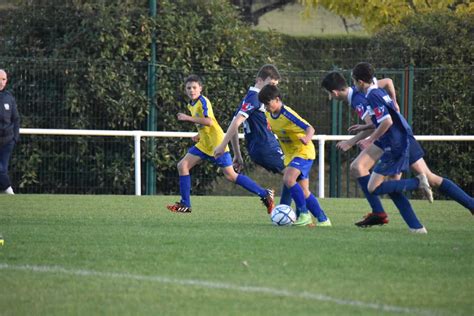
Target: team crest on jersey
(7, 106)
(246, 106)
(379, 112)
(360, 110)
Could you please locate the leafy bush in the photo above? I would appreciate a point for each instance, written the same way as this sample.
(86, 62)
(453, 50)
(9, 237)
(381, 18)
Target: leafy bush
(96, 72)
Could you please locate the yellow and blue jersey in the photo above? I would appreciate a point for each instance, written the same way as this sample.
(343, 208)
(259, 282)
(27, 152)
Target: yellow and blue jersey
(209, 136)
(290, 127)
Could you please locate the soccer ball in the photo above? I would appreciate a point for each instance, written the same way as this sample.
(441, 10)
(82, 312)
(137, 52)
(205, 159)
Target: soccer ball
(283, 215)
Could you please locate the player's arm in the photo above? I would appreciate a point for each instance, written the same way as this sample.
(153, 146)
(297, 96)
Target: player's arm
(309, 133)
(387, 85)
(206, 121)
(364, 131)
(379, 131)
(232, 132)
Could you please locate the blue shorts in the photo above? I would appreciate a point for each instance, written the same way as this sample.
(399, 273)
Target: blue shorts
(415, 150)
(269, 158)
(393, 161)
(303, 165)
(223, 161)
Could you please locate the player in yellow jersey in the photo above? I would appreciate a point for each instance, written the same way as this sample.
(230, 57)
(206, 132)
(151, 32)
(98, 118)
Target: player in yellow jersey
(294, 134)
(210, 135)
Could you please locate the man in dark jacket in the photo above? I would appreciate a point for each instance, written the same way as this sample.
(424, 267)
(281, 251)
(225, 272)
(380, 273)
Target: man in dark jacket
(9, 131)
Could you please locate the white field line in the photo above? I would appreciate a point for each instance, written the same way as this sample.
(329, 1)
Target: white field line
(217, 285)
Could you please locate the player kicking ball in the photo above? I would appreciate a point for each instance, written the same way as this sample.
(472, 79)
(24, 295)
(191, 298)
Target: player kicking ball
(295, 137)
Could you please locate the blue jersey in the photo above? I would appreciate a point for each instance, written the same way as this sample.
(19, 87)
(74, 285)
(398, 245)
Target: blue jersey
(257, 131)
(358, 102)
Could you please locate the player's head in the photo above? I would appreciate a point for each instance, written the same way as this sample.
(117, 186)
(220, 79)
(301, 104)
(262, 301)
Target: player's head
(268, 74)
(193, 86)
(363, 74)
(335, 85)
(270, 96)
(3, 79)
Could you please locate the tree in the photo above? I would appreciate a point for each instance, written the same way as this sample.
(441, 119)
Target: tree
(375, 13)
(83, 64)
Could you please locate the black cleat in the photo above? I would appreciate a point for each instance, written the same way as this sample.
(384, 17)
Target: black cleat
(372, 219)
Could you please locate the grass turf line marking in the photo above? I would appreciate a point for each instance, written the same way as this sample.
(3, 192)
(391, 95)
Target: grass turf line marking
(216, 285)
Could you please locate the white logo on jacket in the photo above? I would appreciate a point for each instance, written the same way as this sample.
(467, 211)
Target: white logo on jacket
(7, 106)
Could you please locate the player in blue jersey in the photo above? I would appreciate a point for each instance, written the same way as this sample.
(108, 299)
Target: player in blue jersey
(295, 137)
(336, 86)
(210, 134)
(391, 134)
(261, 143)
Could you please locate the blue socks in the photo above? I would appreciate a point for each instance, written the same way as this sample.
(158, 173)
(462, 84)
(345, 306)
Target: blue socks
(250, 185)
(449, 188)
(298, 196)
(404, 206)
(372, 198)
(397, 186)
(185, 189)
(285, 196)
(313, 205)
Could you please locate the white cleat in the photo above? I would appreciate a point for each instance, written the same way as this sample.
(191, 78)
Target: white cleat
(9, 190)
(421, 230)
(425, 187)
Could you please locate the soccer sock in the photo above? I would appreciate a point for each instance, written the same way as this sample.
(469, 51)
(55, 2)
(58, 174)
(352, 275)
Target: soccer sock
(450, 189)
(313, 205)
(373, 199)
(405, 209)
(397, 186)
(185, 189)
(249, 185)
(298, 196)
(285, 196)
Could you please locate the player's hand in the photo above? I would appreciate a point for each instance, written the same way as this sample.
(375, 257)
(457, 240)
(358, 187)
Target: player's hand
(238, 164)
(183, 117)
(219, 151)
(357, 128)
(195, 138)
(305, 140)
(344, 145)
(365, 143)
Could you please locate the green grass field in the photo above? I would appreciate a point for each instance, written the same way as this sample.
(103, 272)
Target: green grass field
(128, 255)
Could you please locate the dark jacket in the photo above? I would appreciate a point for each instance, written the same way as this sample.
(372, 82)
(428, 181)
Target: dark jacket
(9, 118)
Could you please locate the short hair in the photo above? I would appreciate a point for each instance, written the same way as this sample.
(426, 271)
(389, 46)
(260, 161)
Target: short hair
(269, 70)
(193, 78)
(268, 93)
(334, 81)
(364, 71)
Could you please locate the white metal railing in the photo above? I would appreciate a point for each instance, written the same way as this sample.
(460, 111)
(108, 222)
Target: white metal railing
(137, 135)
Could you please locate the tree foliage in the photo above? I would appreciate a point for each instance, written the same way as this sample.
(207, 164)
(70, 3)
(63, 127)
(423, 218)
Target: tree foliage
(91, 59)
(375, 14)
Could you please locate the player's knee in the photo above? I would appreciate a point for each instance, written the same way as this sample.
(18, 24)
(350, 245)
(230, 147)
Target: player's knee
(356, 169)
(183, 166)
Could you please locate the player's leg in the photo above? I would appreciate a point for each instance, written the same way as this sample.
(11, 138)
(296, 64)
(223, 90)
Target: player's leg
(313, 206)
(272, 159)
(405, 209)
(360, 169)
(5, 153)
(290, 177)
(393, 163)
(184, 167)
(445, 185)
(266, 195)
